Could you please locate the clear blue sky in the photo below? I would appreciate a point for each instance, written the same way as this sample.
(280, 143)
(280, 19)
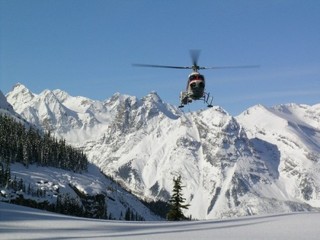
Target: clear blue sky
(86, 47)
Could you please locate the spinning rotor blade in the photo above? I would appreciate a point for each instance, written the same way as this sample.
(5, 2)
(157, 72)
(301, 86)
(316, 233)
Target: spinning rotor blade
(195, 53)
(159, 66)
(224, 67)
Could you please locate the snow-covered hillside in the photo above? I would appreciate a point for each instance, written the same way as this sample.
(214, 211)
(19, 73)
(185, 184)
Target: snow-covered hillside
(230, 166)
(7, 109)
(54, 182)
(18, 222)
(46, 185)
(295, 131)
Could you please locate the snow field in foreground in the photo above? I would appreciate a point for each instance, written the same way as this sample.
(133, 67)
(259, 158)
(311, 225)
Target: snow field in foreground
(17, 222)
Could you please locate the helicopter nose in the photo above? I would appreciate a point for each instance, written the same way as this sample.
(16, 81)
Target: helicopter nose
(197, 85)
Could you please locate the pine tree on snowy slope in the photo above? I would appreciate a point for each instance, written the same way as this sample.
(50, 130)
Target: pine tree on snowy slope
(177, 202)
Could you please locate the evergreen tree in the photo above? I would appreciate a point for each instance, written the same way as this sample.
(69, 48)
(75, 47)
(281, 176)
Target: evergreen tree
(128, 215)
(177, 202)
(28, 146)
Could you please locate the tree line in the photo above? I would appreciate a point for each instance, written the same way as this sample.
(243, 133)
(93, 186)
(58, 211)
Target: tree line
(30, 146)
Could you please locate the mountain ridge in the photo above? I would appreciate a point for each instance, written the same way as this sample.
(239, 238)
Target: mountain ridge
(231, 166)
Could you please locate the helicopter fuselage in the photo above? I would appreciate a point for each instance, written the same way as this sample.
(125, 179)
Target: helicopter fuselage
(196, 83)
(195, 90)
(195, 86)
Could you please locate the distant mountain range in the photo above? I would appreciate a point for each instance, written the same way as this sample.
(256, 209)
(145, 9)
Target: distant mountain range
(266, 160)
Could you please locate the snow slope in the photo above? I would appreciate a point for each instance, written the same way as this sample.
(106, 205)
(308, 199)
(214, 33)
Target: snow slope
(18, 222)
(295, 130)
(7, 109)
(54, 181)
(229, 166)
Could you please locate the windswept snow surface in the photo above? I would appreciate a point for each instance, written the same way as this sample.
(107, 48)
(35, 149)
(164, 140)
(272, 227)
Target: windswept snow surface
(17, 222)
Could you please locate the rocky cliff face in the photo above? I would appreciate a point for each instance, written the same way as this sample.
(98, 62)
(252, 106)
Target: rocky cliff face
(263, 161)
(295, 130)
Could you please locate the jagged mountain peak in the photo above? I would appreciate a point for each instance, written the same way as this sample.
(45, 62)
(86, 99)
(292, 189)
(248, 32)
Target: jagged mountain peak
(44, 109)
(254, 109)
(152, 97)
(262, 161)
(215, 112)
(148, 106)
(120, 97)
(61, 95)
(78, 104)
(7, 109)
(154, 106)
(133, 101)
(20, 95)
(48, 96)
(19, 87)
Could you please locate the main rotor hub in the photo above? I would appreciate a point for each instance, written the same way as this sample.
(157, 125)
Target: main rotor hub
(195, 68)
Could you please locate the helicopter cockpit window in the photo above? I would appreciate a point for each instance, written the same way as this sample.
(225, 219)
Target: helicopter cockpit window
(196, 77)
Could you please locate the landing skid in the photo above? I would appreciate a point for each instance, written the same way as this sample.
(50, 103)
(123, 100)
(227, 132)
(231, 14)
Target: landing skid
(208, 100)
(186, 99)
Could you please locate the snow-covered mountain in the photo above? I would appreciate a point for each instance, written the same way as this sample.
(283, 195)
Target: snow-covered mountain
(260, 162)
(7, 109)
(47, 184)
(295, 130)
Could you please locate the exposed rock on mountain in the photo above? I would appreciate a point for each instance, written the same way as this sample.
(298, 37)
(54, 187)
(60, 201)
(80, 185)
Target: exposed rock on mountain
(265, 160)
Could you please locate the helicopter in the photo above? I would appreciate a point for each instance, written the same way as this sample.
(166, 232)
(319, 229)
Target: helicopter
(195, 89)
